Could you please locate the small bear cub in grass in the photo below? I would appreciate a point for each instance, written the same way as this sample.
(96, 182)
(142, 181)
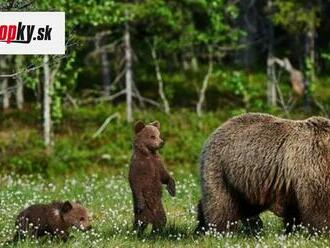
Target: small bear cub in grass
(146, 176)
(54, 219)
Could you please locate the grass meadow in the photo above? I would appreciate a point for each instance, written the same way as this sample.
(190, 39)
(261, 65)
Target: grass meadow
(94, 170)
(108, 198)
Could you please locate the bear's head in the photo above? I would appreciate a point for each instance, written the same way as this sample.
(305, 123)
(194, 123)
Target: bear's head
(147, 137)
(75, 215)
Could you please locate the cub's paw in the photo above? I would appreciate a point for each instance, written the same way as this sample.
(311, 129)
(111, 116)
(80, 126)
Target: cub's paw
(171, 187)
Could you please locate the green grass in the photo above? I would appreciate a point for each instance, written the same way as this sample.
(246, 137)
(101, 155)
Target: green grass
(75, 149)
(109, 199)
(94, 171)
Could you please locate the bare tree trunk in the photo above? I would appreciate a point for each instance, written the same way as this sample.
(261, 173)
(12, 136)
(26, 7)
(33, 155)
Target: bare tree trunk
(204, 87)
(19, 84)
(248, 22)
(271, 83)
(185, 62)
(271, 80)
(105, 72)
(310, 53)
(5, 94)
(160, 81)
(104, 65)
(4, 86)
(47, 120)
(128, 72)
(194, 61)
(310, 56)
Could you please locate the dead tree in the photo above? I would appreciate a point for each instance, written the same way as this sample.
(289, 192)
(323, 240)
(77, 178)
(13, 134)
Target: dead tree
(298, 82)
(19, 84)
(271, 80)
(104, 63)
(202, 92)
(296, 76)
(4, 86)
(128, 71)
(160, 81)
(47, 120)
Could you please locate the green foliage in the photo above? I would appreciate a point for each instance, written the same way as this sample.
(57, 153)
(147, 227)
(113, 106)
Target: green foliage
(297, 16)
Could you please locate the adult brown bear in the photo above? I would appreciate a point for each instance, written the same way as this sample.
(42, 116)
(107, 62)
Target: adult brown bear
(257, 162)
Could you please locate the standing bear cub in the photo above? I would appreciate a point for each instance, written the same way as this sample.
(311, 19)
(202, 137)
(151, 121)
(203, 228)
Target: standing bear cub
(146, 176)
(53, 219)
(258, 162)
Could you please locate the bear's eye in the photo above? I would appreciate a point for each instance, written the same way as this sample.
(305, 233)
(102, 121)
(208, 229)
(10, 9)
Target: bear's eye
(82, 218)
(153, 136)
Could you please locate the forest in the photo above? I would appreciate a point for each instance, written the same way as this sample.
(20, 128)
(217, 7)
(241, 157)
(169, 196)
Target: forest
(66, 121)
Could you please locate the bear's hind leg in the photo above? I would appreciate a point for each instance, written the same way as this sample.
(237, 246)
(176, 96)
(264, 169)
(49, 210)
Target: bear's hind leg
(159, 219)
(252, 225)
(221, 210)
(291, 220)
(139, 226)
(201, 226)
(291, 216)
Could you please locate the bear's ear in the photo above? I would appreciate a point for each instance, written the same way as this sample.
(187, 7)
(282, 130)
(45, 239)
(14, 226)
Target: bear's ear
(67, 206)
(156, 124)
(139, 125)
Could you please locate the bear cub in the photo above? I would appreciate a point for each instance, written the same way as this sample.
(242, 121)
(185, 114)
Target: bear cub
(146, 176)
(53, 219)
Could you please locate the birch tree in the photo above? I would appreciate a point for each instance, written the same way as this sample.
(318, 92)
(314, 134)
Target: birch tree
(271, 80)
(4, 84)
(128, 71)
(160, 80)
(47, 119)
(205, 85)
(19, 83)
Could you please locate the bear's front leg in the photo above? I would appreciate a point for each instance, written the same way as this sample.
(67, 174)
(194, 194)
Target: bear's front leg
(140, 205)
(171, 187)
(167, 179)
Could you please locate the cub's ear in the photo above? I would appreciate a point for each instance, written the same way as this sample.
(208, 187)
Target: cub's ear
(67, 206)
(156, 124)
(139, 125)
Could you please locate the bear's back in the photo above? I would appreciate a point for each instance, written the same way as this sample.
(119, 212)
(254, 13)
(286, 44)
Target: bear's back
(274, 147)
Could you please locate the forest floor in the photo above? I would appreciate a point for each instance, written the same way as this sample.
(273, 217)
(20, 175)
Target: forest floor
(93, 169)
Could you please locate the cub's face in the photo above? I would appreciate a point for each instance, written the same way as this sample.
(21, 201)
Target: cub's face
(148, 136)
(76, 215)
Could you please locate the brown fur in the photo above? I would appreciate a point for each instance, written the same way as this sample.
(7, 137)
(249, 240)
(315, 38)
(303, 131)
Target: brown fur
(258, 162)
(53, 219)
(146, 176)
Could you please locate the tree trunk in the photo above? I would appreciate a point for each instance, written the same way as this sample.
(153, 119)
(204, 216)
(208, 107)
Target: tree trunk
(194, 61)
(160, 81)
(47, 120)
(271, 80)
(105, 72)
(5, 94)
(310, 53)
(201, 100)
(128, 72)
(249, 23)
(310, 58)
(19, 84)
(4, 85)
(106, 83)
